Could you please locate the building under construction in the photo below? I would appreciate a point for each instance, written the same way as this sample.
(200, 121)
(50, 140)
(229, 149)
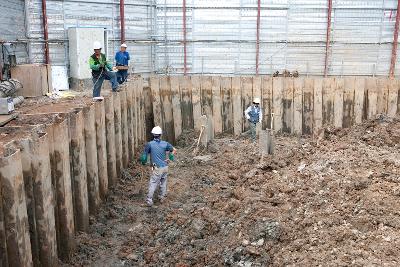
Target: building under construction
(319, 186)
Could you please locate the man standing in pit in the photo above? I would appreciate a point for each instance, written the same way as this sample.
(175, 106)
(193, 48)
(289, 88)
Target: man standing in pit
(101, 70)
(122, 60)
(158, 152)
(254, 115)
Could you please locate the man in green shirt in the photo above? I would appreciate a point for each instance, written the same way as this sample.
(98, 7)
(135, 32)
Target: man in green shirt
(101, 70)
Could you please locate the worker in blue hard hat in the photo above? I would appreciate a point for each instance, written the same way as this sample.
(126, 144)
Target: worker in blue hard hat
(158, 152)
(254, 115)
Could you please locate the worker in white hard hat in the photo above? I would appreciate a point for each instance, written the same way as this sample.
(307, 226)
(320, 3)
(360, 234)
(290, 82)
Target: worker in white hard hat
(158, 153)
(254, 115)
(122, 60)
(101, 70)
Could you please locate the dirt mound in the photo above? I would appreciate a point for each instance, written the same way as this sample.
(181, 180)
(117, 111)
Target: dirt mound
(331, 202)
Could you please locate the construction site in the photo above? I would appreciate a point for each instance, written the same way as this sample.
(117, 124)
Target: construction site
(276, 123)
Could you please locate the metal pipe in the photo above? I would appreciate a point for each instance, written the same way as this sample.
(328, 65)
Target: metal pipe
(122, 18)
(395, 40)
(184, 38)
(258, 35)
(45, 33)
(328, 36)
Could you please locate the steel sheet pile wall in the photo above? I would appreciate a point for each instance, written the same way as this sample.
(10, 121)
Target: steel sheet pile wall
(53, 166)
(300, 105)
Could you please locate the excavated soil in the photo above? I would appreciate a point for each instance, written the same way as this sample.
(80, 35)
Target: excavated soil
(328, 202)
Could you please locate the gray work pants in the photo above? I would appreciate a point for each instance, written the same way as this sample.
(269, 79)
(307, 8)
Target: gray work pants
(158, 177)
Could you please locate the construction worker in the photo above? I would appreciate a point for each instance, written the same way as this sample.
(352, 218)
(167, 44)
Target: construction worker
(158, 152)
(122, 59)
(101, 70)
(254, 115)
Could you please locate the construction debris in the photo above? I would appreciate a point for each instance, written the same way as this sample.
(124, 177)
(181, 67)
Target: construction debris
(331, 203)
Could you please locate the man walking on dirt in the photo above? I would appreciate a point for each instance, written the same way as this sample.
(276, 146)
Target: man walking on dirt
(158, 152)
(254, 115)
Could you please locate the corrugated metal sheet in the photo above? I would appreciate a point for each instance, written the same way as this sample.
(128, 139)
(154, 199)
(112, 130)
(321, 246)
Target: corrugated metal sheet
(222, 36)
(12, 27)
(93, 13)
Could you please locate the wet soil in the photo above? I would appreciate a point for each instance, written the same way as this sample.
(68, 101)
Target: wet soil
(328, 202)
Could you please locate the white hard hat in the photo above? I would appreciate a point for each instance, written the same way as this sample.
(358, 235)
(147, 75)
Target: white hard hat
(157, 130)
(96, 45)
(124, 45)
(256, 100)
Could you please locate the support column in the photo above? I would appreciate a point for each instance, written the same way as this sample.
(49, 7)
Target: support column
(395, 42)
(258, 35)
(328, 37)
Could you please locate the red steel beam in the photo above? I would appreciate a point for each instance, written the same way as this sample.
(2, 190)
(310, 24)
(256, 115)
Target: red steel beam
(395, 41)
(258, 35)
(122, 18)
(184, 39)
(45, 33)
(328, 37)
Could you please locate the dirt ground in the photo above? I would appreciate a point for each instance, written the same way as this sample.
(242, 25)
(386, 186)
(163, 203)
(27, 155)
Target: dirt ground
(335, 202)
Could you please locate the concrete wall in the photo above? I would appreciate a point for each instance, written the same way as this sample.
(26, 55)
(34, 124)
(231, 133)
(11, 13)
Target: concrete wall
(53, 173)
(300, 105)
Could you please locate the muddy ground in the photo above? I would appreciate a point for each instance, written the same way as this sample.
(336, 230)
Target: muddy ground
(328, 202)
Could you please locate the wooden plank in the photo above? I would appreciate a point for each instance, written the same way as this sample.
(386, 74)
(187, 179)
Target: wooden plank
(186, 102)
(298, 84)
(176, 106)
(196, 95)
(34, 77)
(393, 97)
(110, 140)
(142, 112)
(287, 103)
(148, 114)
(237, 106)
(227, 107)
(382, 95)
(167, 116)
(359, 99)
(130, 118)
(3, 236)
(328, 98)
(247, 98)
(157, 107)
(266, 102)
(206, 96)
(371, 87)
(4, 119)
(277, 96)
(308, 106)
(338, 103)
(217, 103)
(348, 101)
(318, 105)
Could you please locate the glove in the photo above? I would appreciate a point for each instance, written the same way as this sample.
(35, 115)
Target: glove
(171, 157)
(143, 159)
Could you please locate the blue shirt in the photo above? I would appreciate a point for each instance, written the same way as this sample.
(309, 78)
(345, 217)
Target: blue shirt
(122, 58)
(157, 150)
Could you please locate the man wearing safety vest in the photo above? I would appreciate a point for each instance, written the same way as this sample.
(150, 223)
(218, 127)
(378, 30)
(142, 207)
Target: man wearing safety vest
(158, 153)
(254, 115)
(101, 70)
